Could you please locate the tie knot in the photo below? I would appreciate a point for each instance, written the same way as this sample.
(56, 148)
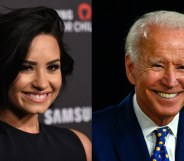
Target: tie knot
(161, 133)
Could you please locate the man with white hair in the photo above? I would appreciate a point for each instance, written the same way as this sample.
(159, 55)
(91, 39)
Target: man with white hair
(149, 123)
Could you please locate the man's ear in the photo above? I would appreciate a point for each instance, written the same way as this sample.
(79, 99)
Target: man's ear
(129, 66)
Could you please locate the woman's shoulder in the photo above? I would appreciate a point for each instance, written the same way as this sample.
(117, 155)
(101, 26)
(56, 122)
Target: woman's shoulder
(86, 144)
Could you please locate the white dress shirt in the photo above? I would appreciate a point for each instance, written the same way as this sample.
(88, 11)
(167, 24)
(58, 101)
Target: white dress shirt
(148, 126)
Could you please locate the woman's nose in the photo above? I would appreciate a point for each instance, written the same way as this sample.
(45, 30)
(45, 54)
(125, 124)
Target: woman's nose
(40, 81)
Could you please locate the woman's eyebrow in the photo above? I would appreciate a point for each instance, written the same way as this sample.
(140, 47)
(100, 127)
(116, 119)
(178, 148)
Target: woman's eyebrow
(35, 63)
(30, 62)
(53, 61)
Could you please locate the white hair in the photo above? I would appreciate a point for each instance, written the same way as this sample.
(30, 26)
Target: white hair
(140, 28)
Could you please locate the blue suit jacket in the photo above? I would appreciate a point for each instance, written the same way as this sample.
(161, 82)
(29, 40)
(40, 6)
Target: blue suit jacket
(117, 136)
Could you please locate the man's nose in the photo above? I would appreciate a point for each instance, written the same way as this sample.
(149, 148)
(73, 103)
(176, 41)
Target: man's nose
(170, 78)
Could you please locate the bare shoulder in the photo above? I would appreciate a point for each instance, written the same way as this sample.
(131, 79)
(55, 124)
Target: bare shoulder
(86, 143)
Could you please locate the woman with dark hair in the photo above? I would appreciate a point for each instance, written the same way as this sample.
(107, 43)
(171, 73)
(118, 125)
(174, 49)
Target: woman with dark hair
(33, 67)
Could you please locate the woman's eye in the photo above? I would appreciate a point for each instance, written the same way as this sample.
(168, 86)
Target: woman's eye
(53, 67)
(26, 68)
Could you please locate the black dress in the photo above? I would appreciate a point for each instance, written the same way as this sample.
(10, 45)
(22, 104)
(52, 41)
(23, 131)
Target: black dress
(51, 144)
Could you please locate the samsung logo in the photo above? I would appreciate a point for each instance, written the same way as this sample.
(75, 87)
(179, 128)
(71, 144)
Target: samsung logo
(68, 115)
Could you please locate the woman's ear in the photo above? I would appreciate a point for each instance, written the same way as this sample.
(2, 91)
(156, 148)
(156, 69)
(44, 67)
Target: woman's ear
(129, 66)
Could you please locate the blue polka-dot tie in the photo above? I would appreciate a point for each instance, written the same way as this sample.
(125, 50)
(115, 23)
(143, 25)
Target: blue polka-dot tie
(160, 152)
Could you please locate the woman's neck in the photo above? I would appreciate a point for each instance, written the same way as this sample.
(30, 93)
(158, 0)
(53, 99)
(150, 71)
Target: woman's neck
(27, 123)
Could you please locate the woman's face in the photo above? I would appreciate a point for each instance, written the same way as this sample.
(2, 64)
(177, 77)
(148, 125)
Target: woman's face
(39, 82)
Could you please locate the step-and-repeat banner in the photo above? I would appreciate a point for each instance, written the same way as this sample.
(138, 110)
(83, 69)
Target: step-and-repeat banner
(73, 106)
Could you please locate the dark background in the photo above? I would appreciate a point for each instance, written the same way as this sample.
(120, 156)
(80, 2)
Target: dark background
(111, 22)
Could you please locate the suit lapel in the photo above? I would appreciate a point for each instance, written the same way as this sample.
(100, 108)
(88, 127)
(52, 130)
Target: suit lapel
(180, 138)
(130, 144)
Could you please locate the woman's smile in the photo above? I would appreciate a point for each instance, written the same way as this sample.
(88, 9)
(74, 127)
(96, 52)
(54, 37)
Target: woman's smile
(37, 98)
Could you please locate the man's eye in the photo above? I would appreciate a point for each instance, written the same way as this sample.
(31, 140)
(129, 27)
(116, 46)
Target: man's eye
(157, 65)
(181, 67)
(53, 67)
(26, 68)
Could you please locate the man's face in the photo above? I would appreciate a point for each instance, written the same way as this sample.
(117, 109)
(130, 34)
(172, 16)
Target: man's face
(158, 74)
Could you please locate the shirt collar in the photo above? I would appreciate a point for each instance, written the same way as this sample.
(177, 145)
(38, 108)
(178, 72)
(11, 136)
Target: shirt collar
(147, 125)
